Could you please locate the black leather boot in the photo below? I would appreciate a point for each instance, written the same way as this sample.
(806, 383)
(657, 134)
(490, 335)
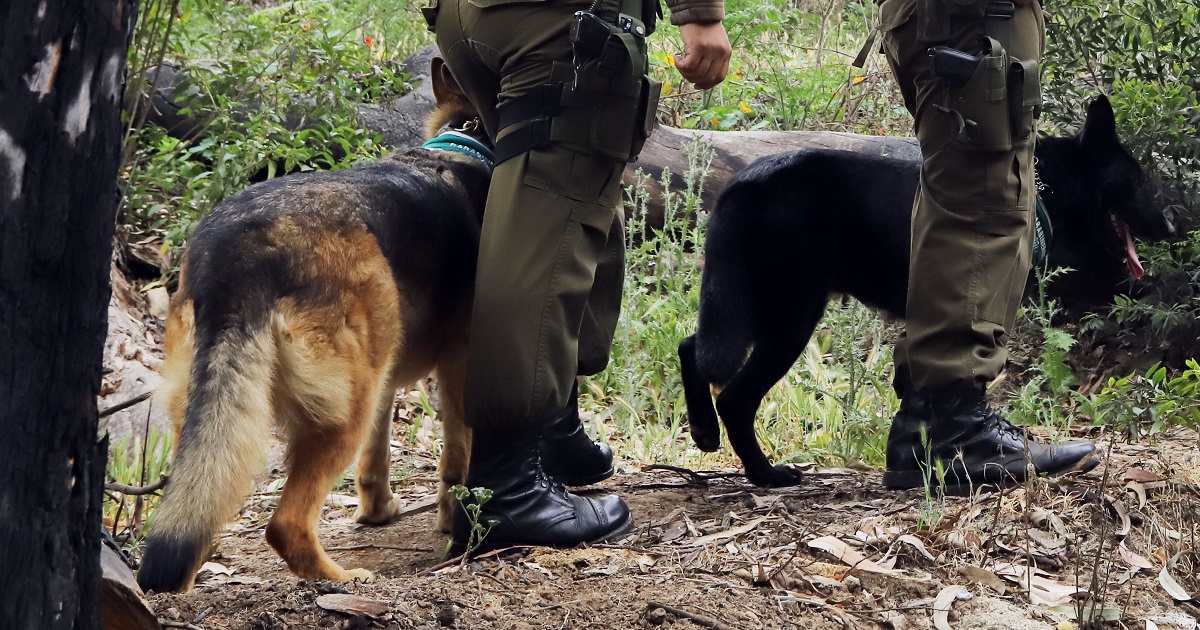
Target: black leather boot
(978, 447)
(568, 454)
(530, 507)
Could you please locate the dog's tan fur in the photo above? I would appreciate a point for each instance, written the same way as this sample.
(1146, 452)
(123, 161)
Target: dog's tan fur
(323, 372)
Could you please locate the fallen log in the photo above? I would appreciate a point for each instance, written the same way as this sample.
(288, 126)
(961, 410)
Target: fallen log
(399, 123)
(734, 150)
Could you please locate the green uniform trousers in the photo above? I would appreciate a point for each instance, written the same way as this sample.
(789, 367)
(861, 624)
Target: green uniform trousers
(551, 257)
(973, 215)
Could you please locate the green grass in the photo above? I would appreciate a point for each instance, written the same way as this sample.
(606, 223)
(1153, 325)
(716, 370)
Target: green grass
(277, 89)
(791, 69)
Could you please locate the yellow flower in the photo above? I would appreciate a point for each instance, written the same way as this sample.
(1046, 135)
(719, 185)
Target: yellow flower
(671, 60)
(667, 88)
(745, 108)
(859, 79)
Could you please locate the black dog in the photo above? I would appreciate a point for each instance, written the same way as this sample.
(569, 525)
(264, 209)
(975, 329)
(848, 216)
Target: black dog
(792, 229)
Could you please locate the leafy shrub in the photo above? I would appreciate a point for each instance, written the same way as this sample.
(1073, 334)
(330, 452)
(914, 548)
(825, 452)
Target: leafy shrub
(277, 90)
(791, 70)
(1143, 54)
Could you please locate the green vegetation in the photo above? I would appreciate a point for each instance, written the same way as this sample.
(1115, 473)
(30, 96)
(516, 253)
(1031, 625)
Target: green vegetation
(1142, 53)
(137, 464)
(276, 90)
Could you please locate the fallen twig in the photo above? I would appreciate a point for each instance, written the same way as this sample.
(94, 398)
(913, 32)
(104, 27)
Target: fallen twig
(442, 565)
(138, 490)
(700, 478)
(462, 558)
(700, 620)
(179, 624)
(108, 411)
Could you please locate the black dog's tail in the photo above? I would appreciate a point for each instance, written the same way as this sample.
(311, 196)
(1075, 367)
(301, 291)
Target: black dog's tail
(725, 337)
(726, 332)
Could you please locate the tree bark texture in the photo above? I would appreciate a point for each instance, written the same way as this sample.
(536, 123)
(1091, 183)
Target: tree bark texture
(62, 74)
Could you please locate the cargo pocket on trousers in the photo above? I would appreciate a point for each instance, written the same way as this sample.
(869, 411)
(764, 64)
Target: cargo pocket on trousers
(574, 174)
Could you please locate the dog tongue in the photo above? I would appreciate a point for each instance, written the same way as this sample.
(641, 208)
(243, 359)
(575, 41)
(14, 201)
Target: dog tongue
(1132, 262)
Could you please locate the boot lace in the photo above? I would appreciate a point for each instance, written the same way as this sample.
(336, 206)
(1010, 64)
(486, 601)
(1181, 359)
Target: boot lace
(544, 479)
(993, 419)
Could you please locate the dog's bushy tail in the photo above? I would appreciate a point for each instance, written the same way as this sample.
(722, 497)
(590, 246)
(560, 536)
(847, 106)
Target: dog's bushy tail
(223, 374)
(726, 331)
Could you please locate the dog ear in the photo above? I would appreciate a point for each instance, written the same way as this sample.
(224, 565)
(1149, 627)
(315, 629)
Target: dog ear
(451, 103)
(445, 88)
(1100, 127)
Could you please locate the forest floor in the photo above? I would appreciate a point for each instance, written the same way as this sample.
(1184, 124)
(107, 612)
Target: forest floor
(1118, 546)
(837, 551)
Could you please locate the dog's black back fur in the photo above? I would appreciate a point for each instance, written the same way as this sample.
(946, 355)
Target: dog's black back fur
(792, 229)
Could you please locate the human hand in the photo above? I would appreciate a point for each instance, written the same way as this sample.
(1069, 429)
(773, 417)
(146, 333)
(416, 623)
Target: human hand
(706, 51)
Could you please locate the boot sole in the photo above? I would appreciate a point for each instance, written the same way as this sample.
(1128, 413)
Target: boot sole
(911, 479)
(457, 549)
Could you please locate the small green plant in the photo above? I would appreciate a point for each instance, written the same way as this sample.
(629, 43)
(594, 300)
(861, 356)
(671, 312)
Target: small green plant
(933, 479)
(1145, 404)
(1038, 401)
(474, 509)
(136, 464)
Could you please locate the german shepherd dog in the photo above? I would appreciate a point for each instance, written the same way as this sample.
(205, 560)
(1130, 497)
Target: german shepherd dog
(792, 229)
(304, 302)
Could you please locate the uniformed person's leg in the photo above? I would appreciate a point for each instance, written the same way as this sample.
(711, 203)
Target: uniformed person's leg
(568, 454)
(546, 224)
(604, 303)
(971, 234)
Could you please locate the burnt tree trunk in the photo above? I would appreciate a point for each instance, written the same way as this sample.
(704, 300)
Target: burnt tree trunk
(62, 72)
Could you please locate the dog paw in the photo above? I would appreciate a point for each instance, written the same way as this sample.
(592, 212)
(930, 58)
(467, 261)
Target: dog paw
(377, 513)
(359, 575)
(706, 439)
(775, 477)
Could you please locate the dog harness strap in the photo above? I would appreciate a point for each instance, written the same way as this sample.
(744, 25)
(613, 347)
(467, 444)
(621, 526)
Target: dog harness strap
(1043, 234)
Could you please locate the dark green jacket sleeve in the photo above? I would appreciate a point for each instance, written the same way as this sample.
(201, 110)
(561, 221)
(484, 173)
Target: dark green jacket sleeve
(689, 11)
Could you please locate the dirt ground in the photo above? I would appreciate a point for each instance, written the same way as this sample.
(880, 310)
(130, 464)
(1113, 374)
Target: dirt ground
(712, 551)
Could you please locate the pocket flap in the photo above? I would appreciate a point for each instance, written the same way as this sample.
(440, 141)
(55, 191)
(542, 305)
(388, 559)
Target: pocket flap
(893, 13)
